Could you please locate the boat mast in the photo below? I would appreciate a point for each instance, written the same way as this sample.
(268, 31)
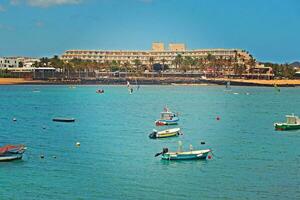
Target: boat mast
(179, 146)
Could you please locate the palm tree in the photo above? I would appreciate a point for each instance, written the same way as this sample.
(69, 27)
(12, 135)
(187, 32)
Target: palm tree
(57, 63)
(185, 64)
(137, 63)
(44, 62)
(126, 65)
(106, 65)
(178, 61)
(77, 64)
(114, 66)
(151, 60)
(211, 62)
(189, 61)
(163, 61)
(68, 67)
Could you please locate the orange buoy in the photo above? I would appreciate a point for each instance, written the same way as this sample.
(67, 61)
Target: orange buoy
(209, 156)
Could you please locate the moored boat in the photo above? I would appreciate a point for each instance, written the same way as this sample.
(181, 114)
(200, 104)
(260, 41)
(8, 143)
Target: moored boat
(167, 118)
(292, 123)
(184, 155)
(11, 152)
(100, 91)
(63, 119)
(165, 133)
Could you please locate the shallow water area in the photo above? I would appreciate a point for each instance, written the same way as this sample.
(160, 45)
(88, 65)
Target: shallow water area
(116, 160)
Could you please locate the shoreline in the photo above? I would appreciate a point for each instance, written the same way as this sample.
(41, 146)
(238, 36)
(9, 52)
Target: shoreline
(154, 81)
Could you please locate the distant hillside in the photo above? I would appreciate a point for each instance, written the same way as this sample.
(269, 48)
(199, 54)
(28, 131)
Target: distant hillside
(295, 64)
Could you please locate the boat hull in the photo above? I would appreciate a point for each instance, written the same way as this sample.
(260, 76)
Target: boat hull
(163, 122)
(10, 157)
(63, 120)
(165, 134)
(192, 155)
(285, 127)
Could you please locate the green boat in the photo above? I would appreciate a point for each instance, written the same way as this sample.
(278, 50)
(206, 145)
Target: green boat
(292, 123)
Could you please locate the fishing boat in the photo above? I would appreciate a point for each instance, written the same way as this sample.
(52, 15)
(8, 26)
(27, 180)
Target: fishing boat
(167, 118)
(165, 133)
(292, 123)
(63, 119)
(100, 91)
(11, 152)
(184, 155)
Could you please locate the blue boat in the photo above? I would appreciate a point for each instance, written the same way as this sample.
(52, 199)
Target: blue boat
(167, 118)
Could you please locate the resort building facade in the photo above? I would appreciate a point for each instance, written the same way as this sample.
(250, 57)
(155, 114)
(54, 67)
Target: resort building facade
(158, 54)
(9, 62)
(17, 62)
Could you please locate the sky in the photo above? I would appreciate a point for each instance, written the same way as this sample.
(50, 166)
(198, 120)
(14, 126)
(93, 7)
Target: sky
(268, 29)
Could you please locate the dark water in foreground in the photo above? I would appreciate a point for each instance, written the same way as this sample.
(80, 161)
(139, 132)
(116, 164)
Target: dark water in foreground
(116, 157)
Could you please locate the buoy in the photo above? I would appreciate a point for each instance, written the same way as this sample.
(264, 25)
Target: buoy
(44, 127)
(54, 157)
(14, 119)
(202, 142)
(77, 144)
(209, 156)
(218, 118)
(42, 156)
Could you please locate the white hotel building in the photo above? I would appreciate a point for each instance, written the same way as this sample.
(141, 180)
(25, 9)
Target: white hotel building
(158, 53)
(9, 62)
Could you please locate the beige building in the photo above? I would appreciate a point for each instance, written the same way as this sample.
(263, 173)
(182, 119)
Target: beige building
(158, 46)
(158, 53)
(177, 47)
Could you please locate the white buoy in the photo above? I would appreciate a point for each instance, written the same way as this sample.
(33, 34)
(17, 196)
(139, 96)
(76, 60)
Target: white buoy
(77, 144)
(14, 119)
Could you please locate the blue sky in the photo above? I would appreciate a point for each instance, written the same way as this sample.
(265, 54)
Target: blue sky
(268, 29)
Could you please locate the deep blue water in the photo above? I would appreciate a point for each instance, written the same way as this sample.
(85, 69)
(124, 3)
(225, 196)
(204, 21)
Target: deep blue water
(116, 157)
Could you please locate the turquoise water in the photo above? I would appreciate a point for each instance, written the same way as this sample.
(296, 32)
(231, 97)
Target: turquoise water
(116, 157)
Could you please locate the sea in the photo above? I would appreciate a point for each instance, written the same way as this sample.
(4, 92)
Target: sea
(115, 159)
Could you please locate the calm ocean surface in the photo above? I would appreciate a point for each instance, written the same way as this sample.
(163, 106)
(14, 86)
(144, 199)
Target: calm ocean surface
(116, 158)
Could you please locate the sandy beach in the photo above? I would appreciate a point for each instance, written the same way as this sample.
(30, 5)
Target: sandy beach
(157, 81)
(16, 81)
(262, 82)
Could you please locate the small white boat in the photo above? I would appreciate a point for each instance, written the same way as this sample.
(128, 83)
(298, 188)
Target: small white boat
(184, 155)
(165, 133)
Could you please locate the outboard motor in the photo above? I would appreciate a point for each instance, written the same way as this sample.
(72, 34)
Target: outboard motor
(165, 150)
(153, 135)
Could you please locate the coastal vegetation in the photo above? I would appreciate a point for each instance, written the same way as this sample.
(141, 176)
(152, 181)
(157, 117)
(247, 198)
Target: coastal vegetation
(209, 66)
(282, 70)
